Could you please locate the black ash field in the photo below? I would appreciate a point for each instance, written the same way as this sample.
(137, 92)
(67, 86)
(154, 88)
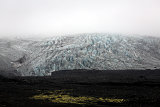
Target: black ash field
(83, 88)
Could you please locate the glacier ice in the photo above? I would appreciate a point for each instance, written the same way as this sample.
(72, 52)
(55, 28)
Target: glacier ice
(82, 51)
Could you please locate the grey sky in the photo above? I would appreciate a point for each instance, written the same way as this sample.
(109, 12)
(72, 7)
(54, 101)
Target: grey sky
(27, 17)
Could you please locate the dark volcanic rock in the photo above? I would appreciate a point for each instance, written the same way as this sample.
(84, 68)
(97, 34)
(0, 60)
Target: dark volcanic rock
(6, 68)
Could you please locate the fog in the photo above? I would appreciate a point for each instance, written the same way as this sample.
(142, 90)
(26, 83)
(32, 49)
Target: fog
(41, 18)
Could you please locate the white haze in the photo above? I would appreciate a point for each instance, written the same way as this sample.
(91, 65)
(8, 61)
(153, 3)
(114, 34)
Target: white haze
(43, 18)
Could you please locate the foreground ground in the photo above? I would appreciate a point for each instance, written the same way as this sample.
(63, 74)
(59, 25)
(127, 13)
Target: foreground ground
(90, 88)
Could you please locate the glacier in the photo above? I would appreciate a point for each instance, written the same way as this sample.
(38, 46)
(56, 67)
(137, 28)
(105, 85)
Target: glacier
(100, 51)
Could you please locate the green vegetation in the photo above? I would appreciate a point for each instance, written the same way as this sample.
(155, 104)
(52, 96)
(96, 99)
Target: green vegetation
(60, 96)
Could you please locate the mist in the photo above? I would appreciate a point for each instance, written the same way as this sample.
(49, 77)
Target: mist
(43, 18)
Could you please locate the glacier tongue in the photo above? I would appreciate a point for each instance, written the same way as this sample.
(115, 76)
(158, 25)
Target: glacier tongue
(87, 51)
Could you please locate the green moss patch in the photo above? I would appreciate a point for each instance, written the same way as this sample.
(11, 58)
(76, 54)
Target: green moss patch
(59, 96)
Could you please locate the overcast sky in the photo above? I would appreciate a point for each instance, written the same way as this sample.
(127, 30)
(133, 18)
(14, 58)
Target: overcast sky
(49, 17)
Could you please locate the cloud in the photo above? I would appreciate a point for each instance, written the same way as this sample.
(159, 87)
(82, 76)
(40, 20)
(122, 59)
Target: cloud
(79, 16)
